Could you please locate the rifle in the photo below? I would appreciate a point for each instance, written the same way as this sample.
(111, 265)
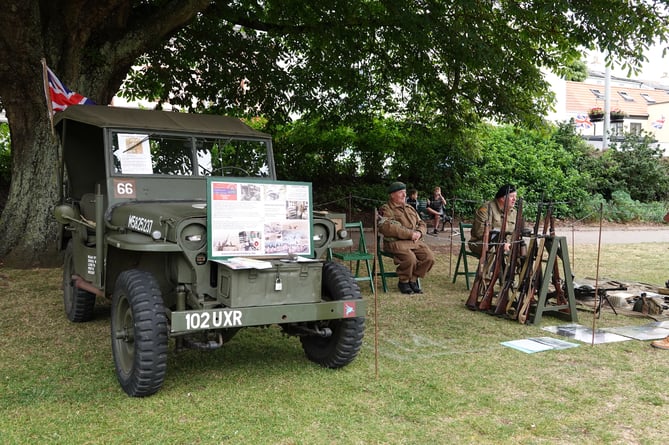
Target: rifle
(526, 270)
(472, 301)
(523, 280)
(486, 301)
(503, 297)
(535, 279)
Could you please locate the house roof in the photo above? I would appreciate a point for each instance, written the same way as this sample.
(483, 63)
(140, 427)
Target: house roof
(633, 100)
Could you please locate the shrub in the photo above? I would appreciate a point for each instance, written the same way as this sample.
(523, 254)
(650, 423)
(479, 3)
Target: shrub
(622, 208)
(639, 168)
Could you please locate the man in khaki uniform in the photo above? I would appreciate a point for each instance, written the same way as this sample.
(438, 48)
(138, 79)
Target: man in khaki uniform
(403, 231)
(495, 215)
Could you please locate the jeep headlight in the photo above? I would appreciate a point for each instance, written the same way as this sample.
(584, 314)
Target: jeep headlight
(194, 236)
(320, 235)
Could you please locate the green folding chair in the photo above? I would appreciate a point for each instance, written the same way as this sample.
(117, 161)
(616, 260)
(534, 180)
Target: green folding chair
(359, 255)
(464, 254)
(383, 273)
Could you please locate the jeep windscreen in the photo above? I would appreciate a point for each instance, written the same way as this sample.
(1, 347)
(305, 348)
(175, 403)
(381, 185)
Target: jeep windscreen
(186, 155)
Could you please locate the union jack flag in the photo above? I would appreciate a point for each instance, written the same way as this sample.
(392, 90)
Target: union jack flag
(659, 123)
(61, 96)
(582, 121)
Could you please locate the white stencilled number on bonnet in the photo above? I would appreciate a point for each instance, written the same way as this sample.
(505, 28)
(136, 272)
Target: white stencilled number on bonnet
(125, 188)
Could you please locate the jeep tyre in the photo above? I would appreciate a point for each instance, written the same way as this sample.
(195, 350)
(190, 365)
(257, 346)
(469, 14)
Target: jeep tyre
(343, 345)
(78, 303)
(139, 333)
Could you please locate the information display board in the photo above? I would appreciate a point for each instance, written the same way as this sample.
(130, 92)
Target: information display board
(258, 218)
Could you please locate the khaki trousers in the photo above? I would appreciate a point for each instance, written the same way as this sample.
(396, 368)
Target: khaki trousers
(413, 259)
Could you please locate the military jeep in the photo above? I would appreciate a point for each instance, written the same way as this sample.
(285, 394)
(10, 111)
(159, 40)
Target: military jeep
(180, 220)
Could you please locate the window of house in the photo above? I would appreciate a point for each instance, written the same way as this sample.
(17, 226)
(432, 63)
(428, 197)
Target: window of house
(635, 127)
(617, 129)
(648, 98)
(598, 94)
(625, 95)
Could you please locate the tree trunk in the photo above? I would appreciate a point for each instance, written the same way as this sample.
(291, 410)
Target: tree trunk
(27, 227)
(90, 45)
(28, 230)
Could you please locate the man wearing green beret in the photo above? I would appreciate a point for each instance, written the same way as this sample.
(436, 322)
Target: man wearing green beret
(403, 233)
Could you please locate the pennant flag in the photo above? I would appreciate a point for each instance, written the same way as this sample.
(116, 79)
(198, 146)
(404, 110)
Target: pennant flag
(61, 97)
(583, 121)
(659, 123)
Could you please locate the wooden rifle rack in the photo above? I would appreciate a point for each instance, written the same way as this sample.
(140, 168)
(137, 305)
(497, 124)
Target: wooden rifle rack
(556, 246)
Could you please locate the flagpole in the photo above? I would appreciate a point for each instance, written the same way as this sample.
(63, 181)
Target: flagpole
(607, 108)
(45, 79)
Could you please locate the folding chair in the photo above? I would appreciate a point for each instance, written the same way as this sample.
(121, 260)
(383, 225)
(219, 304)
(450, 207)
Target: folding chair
(462, 258)
(358, 255)
(383, 273)
(380, 254)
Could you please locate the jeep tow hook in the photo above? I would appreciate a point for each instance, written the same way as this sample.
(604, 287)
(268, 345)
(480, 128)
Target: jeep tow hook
(325, 332)
(204, 345)
(317, 331)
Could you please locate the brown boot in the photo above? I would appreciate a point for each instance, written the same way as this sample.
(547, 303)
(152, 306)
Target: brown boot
(661, 344)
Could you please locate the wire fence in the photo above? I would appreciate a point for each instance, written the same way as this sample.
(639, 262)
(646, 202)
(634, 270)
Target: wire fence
(352, 211)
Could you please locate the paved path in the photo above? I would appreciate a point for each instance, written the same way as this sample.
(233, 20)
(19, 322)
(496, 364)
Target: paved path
(616, 234)
(610, 234)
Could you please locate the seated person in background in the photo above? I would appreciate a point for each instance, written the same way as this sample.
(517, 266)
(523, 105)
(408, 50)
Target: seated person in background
(403, 231)
(412, 199)
(506, 193)
(435, 207)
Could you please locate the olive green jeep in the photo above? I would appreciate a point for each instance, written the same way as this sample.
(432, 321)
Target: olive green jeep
(180, 220)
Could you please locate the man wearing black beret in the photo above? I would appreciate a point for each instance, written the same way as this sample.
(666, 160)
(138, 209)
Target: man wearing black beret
(403, 231)
(493, 212)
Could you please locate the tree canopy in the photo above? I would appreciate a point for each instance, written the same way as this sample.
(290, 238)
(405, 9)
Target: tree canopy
(444, 64)
(453, 61)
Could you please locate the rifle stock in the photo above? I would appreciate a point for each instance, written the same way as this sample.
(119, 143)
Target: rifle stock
(535, 279)
(503, 298)
(527, 267)
(524, 278)
(486, 301)
(472, 301)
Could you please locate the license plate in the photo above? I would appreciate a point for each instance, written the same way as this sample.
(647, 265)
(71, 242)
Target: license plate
(211, 319)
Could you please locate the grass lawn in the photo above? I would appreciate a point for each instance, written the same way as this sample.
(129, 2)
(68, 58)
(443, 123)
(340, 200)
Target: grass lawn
(431, 372)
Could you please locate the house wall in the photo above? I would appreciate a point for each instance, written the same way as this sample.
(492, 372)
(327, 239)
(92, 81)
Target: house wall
(575, 99)
(657, 124)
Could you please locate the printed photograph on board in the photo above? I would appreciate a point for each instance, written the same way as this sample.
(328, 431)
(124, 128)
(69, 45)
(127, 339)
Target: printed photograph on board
(248, 218)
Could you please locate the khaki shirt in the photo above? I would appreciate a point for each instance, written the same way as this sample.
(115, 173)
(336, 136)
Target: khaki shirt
(494, 221)
(398, 222)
